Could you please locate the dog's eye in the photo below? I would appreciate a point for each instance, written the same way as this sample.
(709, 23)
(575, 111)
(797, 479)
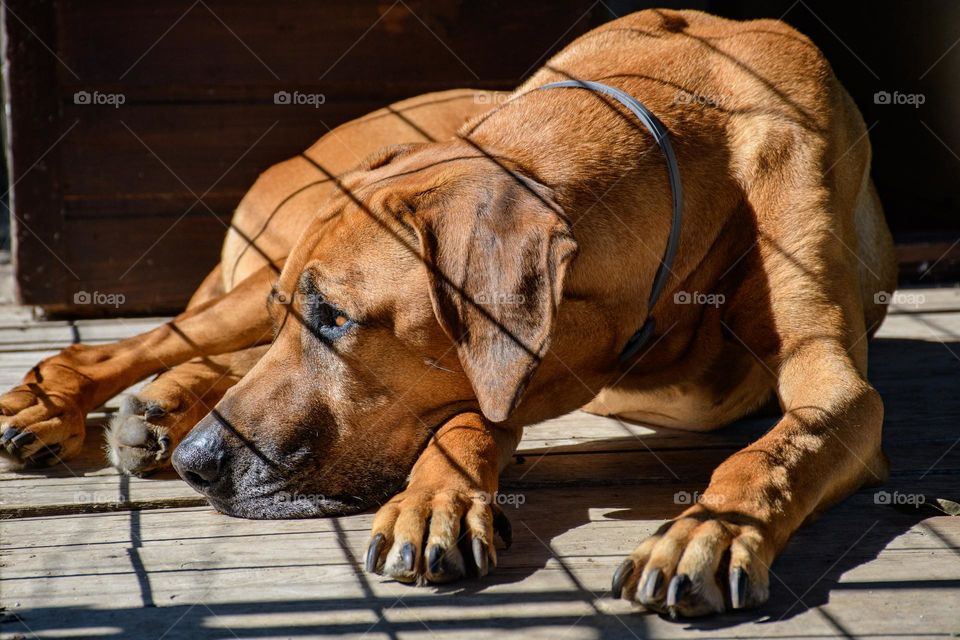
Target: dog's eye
(330, 322)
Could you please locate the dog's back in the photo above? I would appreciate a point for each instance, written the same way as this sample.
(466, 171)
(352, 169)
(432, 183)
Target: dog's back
(766, 90)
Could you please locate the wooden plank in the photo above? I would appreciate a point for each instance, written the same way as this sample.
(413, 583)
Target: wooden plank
(97, 331)
(10, 313)
(585, 544)
(612, 509)
(920, 326)
(15, 363)
(925, 300)
(302, 577)
(53, 333)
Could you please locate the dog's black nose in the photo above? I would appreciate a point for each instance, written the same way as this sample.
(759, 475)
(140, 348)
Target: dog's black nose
(200, 457)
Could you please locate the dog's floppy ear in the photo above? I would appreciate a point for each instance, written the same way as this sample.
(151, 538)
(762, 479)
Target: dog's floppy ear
(496, 261)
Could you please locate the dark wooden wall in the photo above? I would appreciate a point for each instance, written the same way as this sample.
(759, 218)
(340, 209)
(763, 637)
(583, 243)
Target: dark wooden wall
(113, 204)
(134, 199)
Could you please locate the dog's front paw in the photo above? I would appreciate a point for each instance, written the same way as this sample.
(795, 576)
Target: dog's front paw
(701, 563)
(437, 536)
(139, 438)
(39, 428)
(150, 425)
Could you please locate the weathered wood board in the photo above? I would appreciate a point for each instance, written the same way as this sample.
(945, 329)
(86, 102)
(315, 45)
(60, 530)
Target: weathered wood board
(864, 570)
(86, 553)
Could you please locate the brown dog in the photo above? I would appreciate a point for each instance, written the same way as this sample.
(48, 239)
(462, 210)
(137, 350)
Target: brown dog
(449, 293)
(206, 349)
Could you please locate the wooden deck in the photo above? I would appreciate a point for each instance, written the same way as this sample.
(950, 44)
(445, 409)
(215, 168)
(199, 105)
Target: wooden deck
(89, 554)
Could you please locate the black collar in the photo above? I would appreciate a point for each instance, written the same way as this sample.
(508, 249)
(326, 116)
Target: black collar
(659, 131)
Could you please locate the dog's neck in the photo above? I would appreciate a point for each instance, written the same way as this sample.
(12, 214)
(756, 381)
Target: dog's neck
(607, 174)
(581, 156)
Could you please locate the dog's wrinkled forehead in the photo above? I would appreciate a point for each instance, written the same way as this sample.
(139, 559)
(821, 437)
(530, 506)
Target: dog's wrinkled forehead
(371, 248)
(354, 261)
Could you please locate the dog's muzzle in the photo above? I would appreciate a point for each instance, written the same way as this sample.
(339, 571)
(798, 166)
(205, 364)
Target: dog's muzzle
(240, 480)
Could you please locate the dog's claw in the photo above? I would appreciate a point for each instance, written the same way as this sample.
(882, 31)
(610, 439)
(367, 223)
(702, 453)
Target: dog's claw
(154, 410)
(713, 574)
(409, 555)
(620, 577)
(47, 454)
(373, 553)
(15, 442)
(434, 559)
(651, 585)
(456, 526)
(480, 558)
(678, 588)
(738, 588)
(22, 440)
(501, 524)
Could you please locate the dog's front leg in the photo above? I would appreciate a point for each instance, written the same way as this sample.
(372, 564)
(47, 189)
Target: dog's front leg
(440, 528)
(42, 419)
(716, 555)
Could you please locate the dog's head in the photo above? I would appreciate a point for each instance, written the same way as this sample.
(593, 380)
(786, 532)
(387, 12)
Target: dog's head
(428, 287)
